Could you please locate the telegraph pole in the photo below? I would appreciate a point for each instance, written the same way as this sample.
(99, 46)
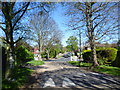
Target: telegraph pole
(80, 45)
(80, 42)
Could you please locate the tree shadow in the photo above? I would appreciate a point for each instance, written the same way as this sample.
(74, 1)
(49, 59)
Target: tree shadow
(88, 80)
(35, 67)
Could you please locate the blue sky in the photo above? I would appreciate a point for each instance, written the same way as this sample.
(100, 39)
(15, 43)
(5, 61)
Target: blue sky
(60, 19)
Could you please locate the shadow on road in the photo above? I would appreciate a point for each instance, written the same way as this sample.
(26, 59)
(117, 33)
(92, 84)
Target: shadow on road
(82, 79)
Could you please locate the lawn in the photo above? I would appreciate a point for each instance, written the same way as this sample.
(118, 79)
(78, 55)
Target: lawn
(115, 71)
(81, 64)
(19, 77)
(36, 63)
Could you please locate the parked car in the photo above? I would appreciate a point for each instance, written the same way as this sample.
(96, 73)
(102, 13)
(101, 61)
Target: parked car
(68, 55)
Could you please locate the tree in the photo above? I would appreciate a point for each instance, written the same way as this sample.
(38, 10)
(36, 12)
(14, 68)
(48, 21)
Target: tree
(96, 19)
(41, 24)
(44, 29)
(11, 13)
(25, 44)
(72, 43)
(52, 39)
(11, 18)
(55, 50)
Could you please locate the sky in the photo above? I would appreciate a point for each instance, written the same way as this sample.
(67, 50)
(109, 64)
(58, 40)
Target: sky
(60, 19)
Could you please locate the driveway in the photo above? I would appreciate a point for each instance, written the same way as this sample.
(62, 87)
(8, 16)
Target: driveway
(60, 74)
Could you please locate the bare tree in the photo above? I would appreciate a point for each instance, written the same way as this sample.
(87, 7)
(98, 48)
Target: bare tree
(41, 25)
(99, 20)
(44, 29)
(53, 38)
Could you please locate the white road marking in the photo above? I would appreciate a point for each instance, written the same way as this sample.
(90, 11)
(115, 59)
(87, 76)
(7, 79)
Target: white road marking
(49, 83)
(67, 82)
(81, 74)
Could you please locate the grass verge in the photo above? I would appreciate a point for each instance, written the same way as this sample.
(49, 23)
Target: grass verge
(115, 71)
(35, 63)
(19, 77)
(81, 64)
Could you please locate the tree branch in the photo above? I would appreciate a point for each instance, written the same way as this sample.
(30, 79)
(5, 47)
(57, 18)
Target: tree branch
(20, 38)
(2, 28)
(21, 15)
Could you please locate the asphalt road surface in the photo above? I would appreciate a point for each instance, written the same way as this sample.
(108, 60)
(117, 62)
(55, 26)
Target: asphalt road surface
(62, 59)
(59, 74)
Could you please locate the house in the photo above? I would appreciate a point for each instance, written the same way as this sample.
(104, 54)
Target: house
(87, 47)
(36, 54)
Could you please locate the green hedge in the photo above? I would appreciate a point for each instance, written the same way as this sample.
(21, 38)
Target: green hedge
(116, 63)
(87, 55)
(104, 55)
(23, 55)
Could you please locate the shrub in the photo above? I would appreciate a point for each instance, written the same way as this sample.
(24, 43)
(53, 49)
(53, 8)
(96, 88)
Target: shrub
(19, 75)
(116, 63)
(107, 54)
(87, 55)
(44, 55)
(118, 48)
(104, 55)
(23, 55)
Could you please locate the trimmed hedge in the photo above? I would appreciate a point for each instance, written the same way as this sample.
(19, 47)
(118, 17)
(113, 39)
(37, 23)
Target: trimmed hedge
(116, 63)
(104, 55)
(87, 55)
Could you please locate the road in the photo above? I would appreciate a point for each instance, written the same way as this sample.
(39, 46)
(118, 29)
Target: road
(62, 59)
(59, 74)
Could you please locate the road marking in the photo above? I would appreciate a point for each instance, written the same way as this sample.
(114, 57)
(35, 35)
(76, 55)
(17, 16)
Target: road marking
(81, 74)
(49, 83)
(67, 82)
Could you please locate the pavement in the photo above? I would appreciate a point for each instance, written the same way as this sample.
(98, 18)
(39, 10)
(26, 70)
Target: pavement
(59, 74)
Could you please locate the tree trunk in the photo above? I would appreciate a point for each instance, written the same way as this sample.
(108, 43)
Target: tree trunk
(12, 56)
(94, 56)
(47, 54)
(8, 65)
(10, 52)
(40, 47)
(90, 29)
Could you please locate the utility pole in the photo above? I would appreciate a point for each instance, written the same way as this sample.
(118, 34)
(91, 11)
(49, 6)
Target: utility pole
(80, 45)
(80, 42)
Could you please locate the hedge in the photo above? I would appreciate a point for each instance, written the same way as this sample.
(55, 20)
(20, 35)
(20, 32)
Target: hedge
(104, 55)
(87, 55)
(116, 63)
